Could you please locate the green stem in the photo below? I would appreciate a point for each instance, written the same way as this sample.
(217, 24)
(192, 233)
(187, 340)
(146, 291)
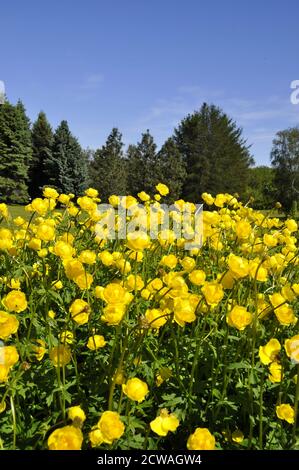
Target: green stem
(296, 407)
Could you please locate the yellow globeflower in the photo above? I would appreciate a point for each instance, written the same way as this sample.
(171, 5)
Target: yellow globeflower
(184, 311)
(95, 342)
(201, 439)
(114, 293)
(270, 351)
(238, 266)
(113, 313)
(275, 372)
(162, 189)
(45, 232)
(63, 250)
(197, 277)
(80, 311)
(66, 438)
(106, 258)
(143, 196)
(39, 349)
(188, 263)
(73, 268)
(66, 337)
(135, 389)
(77, 415)
(169, 260)
(237, 436)
(60, 355)
(243, 229)
(164, 423)
(15, 301)
(285, 315)
(50, 193)
(239, 317)
(138, 241)
(155, 317)
(213, 292)
(91, 192)
(286, 412)
(8, 356)
(134, 282)
(291, 346)
(4, 371)
(8, 325)
(109, 428)
(83, 281)
(88, 257)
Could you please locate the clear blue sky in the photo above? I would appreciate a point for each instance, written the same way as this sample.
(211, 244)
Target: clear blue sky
(139, 64)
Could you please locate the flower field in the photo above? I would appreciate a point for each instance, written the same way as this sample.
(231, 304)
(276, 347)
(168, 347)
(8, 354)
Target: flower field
(138, 343)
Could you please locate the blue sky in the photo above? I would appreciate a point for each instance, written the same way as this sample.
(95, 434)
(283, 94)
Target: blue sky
(139, 64)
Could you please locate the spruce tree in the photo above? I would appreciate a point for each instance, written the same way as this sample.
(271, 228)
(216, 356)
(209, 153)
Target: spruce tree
(42, 143)
(285, 161)
(108, 168)
(66, 167)
(142, 165)
(171, 169)
(15, 153)
(216, 155)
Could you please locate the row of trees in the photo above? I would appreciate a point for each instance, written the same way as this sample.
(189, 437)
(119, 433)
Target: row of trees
(206, 153)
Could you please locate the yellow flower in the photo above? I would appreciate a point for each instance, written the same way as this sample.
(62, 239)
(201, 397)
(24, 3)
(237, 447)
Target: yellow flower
(258, 271)
(63, 250)
(164, 423)
(239, 317)
(8, 325)
(184, 311)
(291, 225)
(238, 266)
(277, 299)
(213, 292)
(201, 439)
(45, 232)
(143, 196)
(197, 277)
(57, 285)
(138, 241)
(66, 337)
(135, 389)
(286, 412)
(51, 314)
(113, 313)
(162, 189)
(39, 349)
(84, 280)
(134, 282)
(237, 436)
(50, 193)
(73, 268)
(80, 311)
(2, 405)
(4, 210)
(188, 263)
(88, 257)
(169, 260)
(4, 371)
(60, 355)
(108, 429)
(208, 199)
(95, 342)
(66, 438)
(106, 258)
(275, 374)
(91, 192)
(270, 351)
(15, 301)
(285, 315)
(8, 356)
(114, 293)
(114, 200)
(243, 229)
(291, 346)
(155, 317)
(77, 415)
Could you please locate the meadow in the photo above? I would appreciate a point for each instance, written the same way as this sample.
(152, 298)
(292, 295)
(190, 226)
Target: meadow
(140, 343)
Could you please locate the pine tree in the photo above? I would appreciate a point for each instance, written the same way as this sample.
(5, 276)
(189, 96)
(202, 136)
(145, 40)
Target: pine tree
(15, 153)
(108, 168)
(171, 169)
(42, 143)
(216, 156)
(66, 167)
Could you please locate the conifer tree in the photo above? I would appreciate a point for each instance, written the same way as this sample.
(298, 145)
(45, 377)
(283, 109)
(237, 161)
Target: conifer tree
(142, 165)
(171, 169)
(216, 155)
(108, 168)
(15, 153)
(42, 143)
